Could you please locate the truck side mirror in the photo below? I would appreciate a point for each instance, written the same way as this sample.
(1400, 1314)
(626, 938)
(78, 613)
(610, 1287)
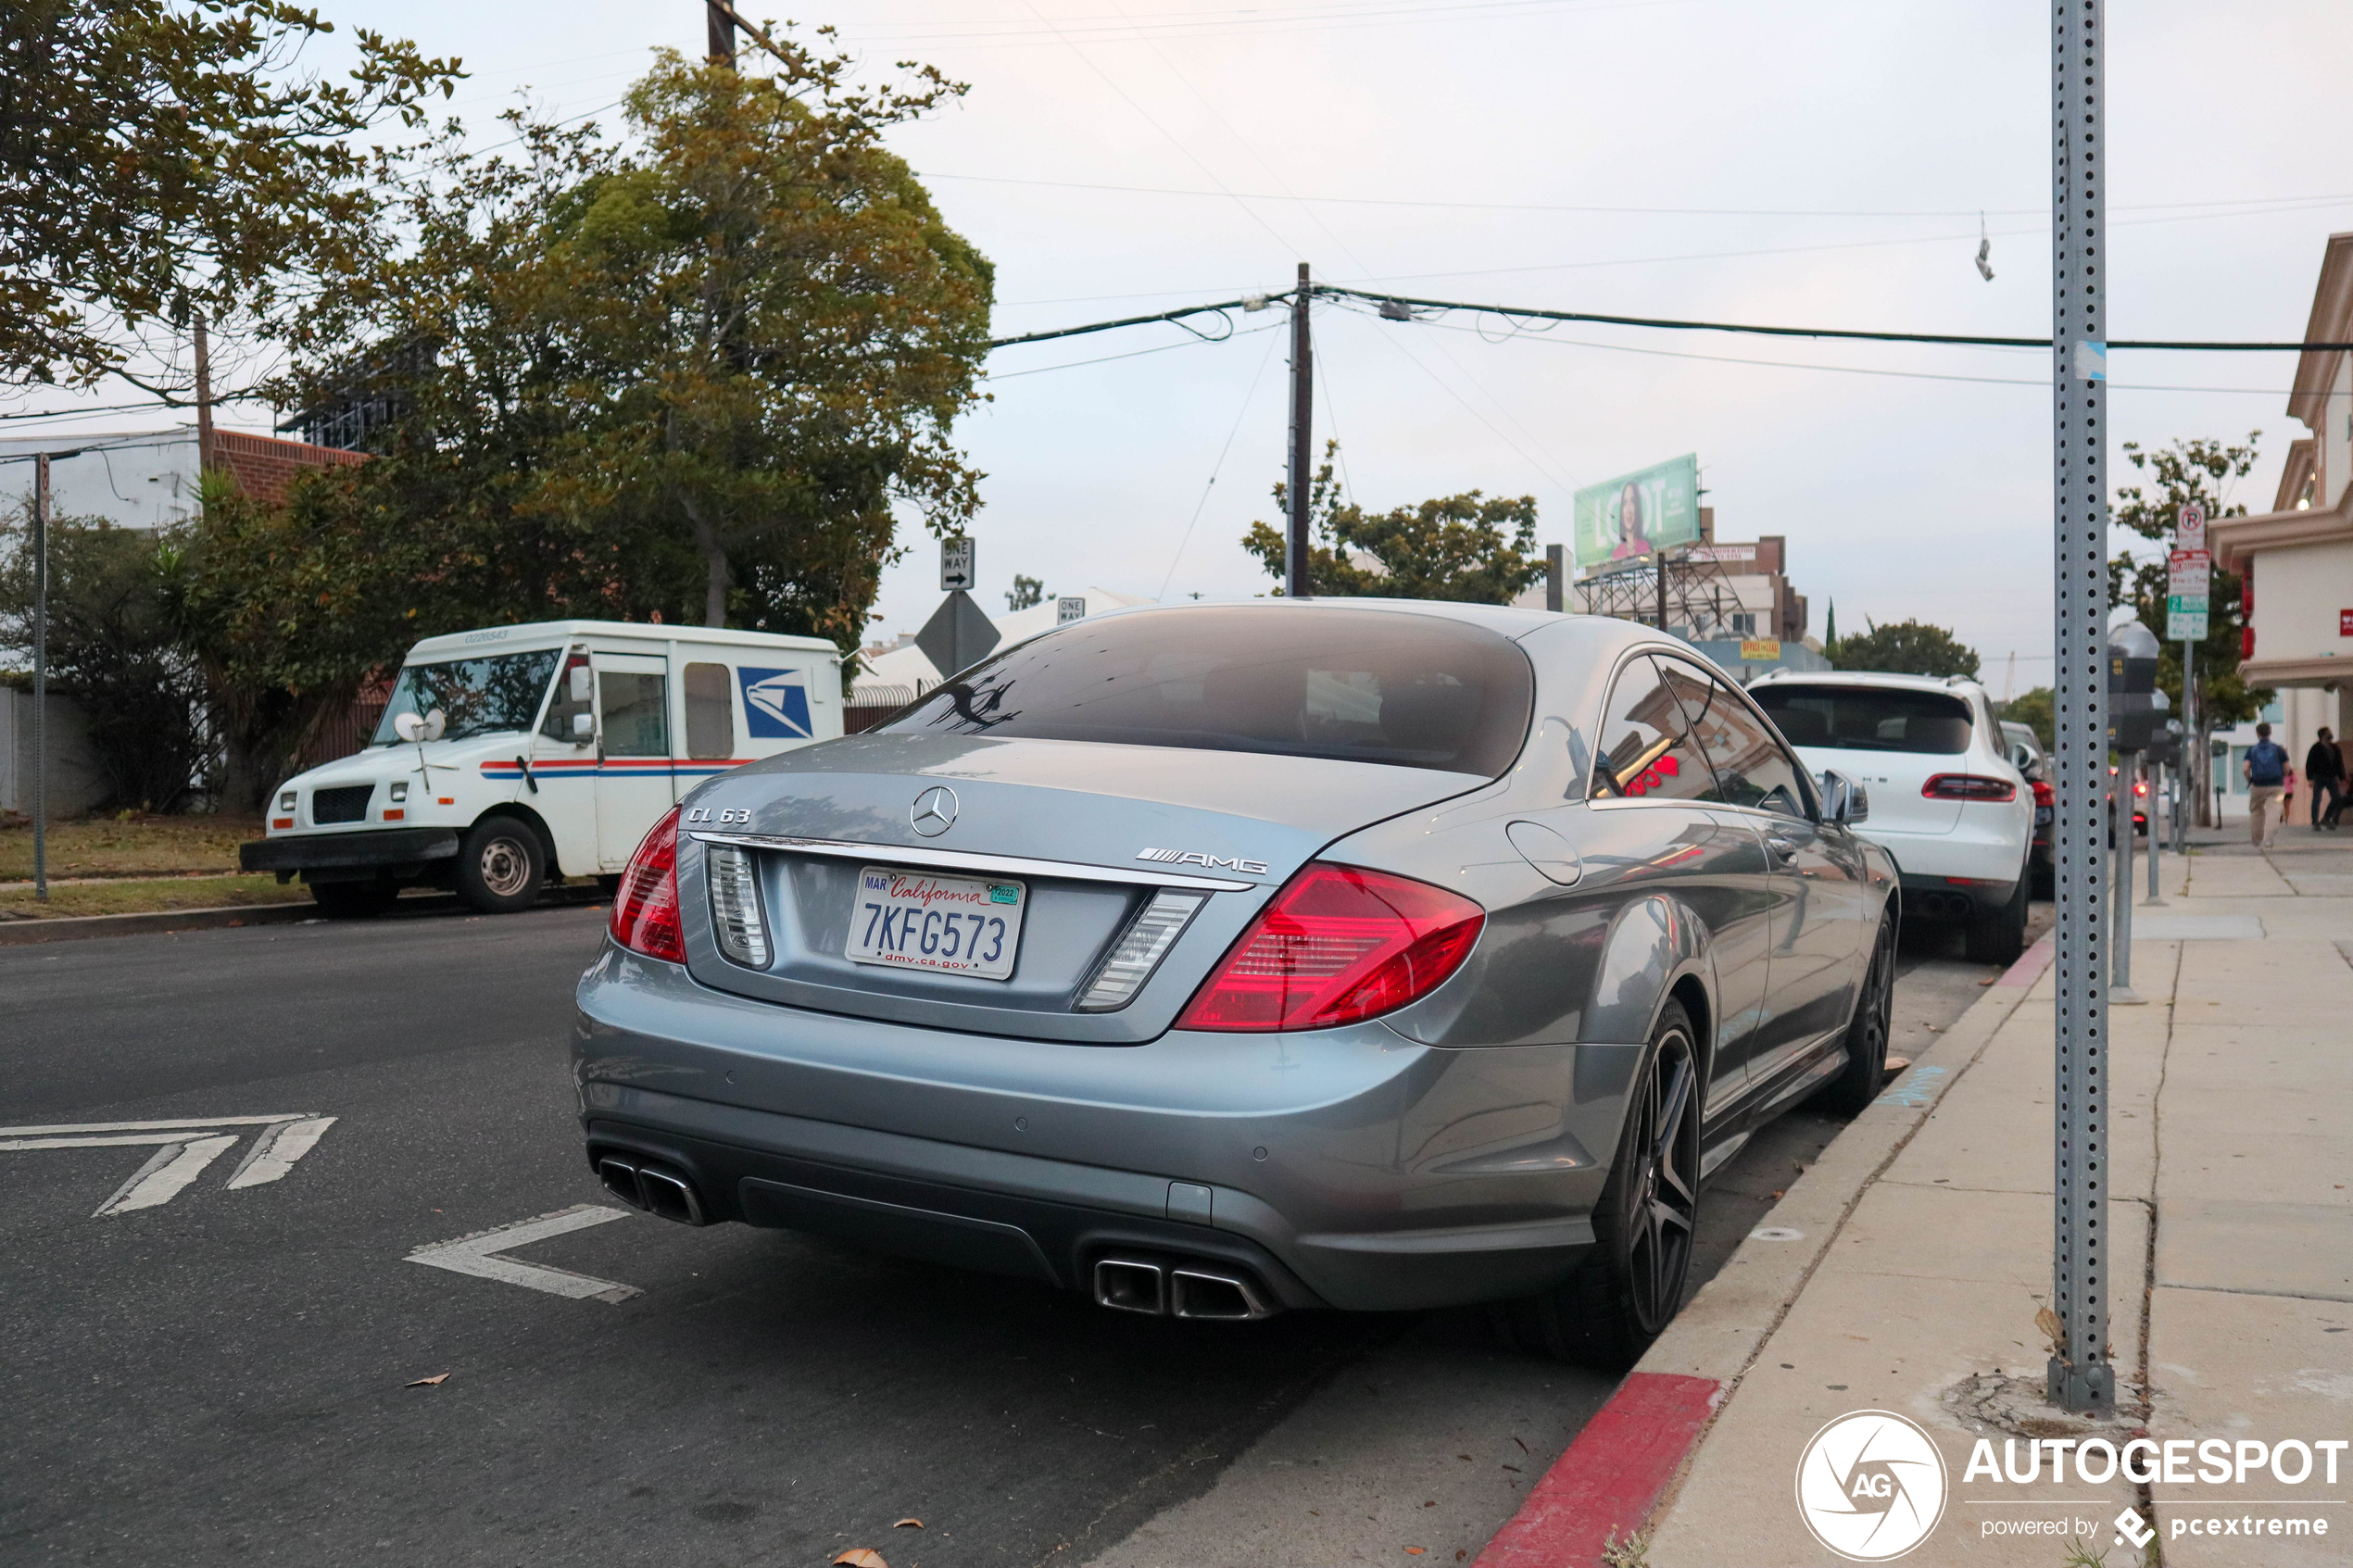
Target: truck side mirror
(580, 678)
(583, 727)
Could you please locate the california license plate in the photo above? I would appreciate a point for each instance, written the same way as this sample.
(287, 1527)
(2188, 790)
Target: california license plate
(957, 924)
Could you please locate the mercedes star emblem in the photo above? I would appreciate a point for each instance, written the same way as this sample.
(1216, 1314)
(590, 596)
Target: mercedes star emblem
(934, 811)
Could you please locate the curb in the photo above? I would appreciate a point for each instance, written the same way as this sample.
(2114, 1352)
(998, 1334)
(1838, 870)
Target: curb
(75, 928)
(1628, 1463)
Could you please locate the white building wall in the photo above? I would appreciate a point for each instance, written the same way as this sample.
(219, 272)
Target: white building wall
(74, 782)
(138, 480)
(2300, 592)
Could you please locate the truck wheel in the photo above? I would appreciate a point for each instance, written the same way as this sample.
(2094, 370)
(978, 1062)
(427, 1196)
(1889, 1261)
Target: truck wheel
(1629, 1286)
(354, 900)
(1855, 1088)
(1999, 935)
(500, 866)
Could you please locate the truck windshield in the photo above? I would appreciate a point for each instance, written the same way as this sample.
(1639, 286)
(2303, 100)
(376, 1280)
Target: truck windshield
(477, 696)
(1359, 685)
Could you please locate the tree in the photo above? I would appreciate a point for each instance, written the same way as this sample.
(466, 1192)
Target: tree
(1028, 591)
(2035, 709)
(113, 647)
(2185, 471)
(1906, 647)
(1451, 547)
(160, 161)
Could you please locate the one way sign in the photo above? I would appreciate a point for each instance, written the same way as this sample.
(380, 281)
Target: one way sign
(183, 1150)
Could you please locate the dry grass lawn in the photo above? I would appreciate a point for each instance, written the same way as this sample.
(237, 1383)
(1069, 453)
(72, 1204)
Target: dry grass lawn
(135, 847)
(126, 896)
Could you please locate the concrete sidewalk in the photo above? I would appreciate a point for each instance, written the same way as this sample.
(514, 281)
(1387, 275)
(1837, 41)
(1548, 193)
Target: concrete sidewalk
(1903, 1271)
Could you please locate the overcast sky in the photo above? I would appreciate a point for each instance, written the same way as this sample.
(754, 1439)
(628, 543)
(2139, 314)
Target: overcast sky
(1811, 162)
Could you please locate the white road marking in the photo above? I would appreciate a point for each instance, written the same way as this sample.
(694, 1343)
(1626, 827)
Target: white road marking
(187, 1149)
(275, 1151)
(163, 1178)
(479, 1255)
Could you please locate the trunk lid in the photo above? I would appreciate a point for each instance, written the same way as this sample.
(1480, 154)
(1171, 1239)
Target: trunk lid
(1894, 779)
(1092, 831)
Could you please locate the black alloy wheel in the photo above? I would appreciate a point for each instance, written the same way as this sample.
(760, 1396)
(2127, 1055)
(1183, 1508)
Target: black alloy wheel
(1631, 1285)
(1867, 1037)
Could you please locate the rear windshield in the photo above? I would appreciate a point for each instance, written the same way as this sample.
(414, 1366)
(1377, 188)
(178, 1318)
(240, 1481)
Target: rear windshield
(1414, 691)
(1868, 717)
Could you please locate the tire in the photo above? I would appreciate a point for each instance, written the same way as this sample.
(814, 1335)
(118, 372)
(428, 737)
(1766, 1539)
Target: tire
(1855, 1088)
(500, 866)
(1999, 935)
(354, 900)
(1626, 1290)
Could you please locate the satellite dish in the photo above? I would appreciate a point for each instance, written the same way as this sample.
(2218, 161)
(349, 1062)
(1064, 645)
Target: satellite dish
(435, 722)
(407, 726)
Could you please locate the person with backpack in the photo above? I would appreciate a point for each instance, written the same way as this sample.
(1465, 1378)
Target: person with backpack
(2266, 771)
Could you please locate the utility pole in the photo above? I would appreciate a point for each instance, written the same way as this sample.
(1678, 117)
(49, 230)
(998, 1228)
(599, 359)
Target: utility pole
(41, 678)
(2078, 1376)
(1658, 558)
(722, 23)
(1296, 581)
(204, 402)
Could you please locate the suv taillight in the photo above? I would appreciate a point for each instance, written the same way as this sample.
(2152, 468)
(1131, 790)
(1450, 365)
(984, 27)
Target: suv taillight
(1968, 786)
(2044, 795)
(645, 910)
(1338, 944)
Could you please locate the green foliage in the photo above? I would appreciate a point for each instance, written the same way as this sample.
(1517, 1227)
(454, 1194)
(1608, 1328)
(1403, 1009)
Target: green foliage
(1905, 647)
(2186, 472)
(164, 160)
(1451, 547)
(2033, 708)
(725, 360)
(112, 646)
(1028, 592)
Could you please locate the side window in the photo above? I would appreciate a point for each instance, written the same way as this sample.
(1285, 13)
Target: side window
(570, 704)
(711, 714)
(1751, 766)
(1646, 750)
(635, 724)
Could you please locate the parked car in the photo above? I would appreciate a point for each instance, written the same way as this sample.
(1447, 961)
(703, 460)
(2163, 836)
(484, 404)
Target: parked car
(513, 754)
(1947, 801)
(2026, 755)
(1216, 959)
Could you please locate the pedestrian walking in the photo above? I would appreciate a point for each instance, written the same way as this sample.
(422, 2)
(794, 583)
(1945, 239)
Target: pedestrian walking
(2265, 769)
(2324, 770)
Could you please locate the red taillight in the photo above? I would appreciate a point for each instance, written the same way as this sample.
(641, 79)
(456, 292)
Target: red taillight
(645, 910)
(1968, 786)
(2141, 787)
(1338, 944)
(2044, 795)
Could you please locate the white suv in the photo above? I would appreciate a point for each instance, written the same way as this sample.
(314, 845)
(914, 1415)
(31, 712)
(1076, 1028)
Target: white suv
(1945, 799)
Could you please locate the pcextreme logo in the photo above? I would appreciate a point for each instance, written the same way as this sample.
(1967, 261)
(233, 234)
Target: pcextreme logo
(1870, 1486)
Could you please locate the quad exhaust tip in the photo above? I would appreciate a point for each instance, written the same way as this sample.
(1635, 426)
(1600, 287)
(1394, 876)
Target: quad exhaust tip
(653, 1188)
(1200, 1291)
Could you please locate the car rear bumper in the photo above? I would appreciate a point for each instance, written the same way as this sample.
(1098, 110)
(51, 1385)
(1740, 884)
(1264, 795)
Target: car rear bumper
(1349, 1168)
(1944, 898)
(370, 849)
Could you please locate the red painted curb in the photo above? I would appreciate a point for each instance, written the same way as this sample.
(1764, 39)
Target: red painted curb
(1610, 1478)
(2029, 966)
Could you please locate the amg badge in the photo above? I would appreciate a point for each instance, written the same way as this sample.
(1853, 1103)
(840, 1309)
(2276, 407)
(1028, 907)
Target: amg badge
(1195, 858)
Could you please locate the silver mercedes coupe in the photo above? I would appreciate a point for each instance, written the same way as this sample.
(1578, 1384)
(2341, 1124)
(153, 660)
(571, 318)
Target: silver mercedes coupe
(1219, 959)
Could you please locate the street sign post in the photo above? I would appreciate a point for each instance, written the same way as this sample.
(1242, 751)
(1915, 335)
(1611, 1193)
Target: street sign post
(2078, 1376)
(2188, 624)
(956, 565)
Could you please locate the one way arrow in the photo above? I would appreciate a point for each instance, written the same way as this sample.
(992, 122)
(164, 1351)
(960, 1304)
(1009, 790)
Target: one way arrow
(183, 1150)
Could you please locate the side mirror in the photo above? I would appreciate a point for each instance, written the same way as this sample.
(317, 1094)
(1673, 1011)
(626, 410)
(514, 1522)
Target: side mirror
(583, 728)
(579, 678)
(409, 727)
(435, 722)
(1843, 801)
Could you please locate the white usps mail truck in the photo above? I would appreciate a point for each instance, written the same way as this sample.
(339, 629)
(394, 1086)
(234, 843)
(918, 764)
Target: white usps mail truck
(515, 755)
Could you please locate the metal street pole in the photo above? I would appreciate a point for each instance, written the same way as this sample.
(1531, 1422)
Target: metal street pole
(1296, 582)
(720, 30)
(41, 678)
(2078, 1376)
(2156, 829)
(2120, 992)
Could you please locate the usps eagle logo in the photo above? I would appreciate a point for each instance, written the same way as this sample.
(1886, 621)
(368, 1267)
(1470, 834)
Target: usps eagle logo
(775, 704)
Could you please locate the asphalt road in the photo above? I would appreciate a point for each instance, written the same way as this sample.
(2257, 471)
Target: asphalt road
(222, 1377)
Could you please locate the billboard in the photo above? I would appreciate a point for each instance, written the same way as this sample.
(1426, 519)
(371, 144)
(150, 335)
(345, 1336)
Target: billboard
(1637, 514)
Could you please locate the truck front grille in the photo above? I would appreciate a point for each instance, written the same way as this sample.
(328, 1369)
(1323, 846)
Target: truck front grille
(347, 803)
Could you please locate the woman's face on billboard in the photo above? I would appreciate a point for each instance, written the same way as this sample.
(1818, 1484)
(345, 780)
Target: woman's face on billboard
(1630, 513)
